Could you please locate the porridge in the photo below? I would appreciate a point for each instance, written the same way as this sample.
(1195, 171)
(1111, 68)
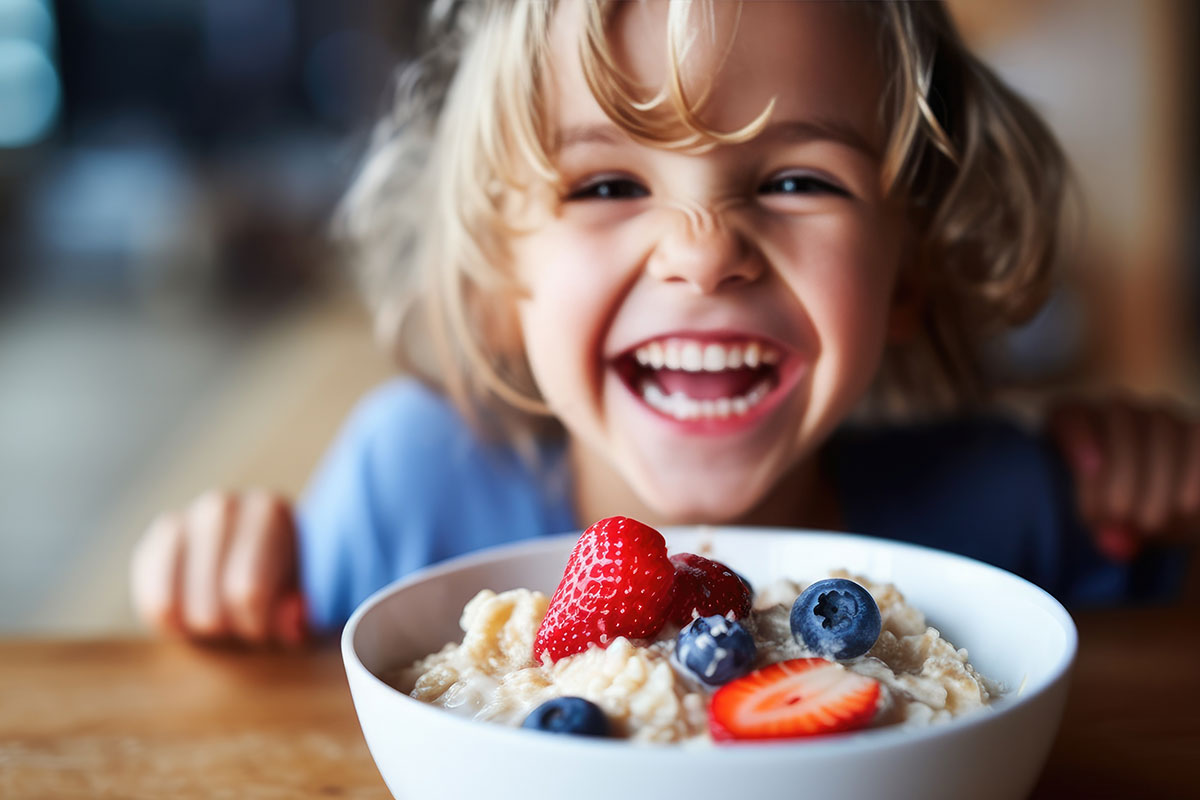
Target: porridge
(638, 645)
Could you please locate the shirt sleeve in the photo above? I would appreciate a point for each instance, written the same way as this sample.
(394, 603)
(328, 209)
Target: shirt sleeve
(408, 483)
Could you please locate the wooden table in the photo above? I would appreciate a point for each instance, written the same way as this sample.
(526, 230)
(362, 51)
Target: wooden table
(151, 719)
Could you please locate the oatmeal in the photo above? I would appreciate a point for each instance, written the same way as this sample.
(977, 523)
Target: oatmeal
(649, 696)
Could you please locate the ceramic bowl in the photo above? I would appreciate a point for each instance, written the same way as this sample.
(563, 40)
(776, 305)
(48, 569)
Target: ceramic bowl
(1014, 632)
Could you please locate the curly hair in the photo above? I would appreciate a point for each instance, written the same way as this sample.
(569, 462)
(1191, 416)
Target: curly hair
(983, 179)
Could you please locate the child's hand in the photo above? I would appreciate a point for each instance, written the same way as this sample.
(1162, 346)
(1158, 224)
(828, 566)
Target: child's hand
(1136, 468)
(225, 567)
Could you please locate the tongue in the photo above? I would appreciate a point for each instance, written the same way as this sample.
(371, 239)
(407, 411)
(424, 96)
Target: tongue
(708, 385)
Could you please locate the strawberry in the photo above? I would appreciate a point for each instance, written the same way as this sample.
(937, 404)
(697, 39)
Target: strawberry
(709, 587)
(617, 583)
(788, 699)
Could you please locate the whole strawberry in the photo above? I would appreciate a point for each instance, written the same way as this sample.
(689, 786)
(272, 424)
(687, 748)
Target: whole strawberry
(707, 587)
(617, 583)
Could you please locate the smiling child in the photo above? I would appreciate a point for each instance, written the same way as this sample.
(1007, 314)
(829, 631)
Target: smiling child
(647, 259)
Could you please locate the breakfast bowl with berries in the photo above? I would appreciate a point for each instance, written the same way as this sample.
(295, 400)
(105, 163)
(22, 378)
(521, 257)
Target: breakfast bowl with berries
(704, 662)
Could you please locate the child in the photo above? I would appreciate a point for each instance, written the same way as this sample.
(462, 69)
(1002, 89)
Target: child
(647, 259)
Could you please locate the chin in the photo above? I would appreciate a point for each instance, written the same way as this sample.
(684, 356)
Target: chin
(701, 502)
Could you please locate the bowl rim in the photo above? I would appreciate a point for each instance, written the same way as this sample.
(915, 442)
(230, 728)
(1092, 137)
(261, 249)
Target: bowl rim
(749, 752)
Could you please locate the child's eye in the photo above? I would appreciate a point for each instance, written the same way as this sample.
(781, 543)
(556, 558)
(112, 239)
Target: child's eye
(612, 188)
(801, 184)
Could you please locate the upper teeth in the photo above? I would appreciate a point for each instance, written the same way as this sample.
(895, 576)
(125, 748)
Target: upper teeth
(704, 357)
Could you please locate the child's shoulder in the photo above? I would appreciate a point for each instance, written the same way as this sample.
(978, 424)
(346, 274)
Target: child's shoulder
(931, 483)
(404, 418)
(405, 428)
(406, 405)
(410, 433)
(991, 489)
(409, 483)
(981, 447)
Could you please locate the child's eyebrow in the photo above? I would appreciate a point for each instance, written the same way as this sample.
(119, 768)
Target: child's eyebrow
(784, 131)
(596, 133)
(807, 130)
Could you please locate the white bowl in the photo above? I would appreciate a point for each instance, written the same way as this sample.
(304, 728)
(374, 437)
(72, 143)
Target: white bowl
(1014, 632)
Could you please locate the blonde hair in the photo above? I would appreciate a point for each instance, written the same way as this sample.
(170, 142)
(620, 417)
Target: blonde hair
(982, 176)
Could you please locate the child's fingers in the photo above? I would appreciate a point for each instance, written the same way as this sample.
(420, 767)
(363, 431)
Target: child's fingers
(1183, 523)
(1118, 542)
(1162, 471)
(156, 573)
(1136, 469)
(1188, 499)
(209, 522)
(260, 566)
(290, 620)
(1077, 433)
(1124, 464)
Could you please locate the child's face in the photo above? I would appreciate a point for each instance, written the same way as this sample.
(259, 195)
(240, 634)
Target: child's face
(783, 245)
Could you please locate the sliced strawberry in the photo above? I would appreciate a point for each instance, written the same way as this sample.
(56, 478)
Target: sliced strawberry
(708, 587)
(800, 697)
(617, 583)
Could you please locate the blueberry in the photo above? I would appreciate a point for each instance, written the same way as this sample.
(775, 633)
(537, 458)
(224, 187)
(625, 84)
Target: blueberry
(836, 618)
(715, 649)
(569, 715)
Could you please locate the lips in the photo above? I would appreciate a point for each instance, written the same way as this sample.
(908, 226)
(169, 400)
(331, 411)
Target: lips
(702, 378)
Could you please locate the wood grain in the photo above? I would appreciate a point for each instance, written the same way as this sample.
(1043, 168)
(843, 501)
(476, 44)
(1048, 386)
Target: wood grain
(1132, 723)
(139, 718)
(142, 719)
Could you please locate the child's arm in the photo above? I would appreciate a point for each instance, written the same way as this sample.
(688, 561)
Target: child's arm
(1136, 469)
(224, 567)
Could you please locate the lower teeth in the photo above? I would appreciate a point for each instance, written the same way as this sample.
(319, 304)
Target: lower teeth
(682, 407)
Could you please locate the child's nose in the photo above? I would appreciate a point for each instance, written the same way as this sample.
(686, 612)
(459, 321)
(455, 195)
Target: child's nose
(701, 250)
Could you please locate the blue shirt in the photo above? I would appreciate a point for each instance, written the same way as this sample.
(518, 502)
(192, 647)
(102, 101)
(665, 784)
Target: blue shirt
(408, 483)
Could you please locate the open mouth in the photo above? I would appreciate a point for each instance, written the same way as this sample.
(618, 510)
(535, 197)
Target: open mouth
(690, 379)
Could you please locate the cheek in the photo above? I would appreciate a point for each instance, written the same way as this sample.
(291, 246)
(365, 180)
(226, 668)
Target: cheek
(563, 318)
(848, 280)
(857, 301)
(853, 319)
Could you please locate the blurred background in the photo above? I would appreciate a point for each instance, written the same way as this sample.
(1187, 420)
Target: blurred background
(173, 317)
